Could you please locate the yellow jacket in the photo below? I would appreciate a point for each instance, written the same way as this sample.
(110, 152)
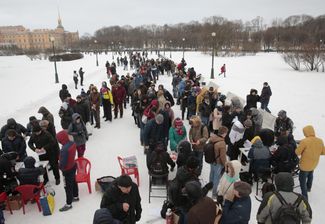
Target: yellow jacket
(200, 98)
(310, 149)
(108, 96)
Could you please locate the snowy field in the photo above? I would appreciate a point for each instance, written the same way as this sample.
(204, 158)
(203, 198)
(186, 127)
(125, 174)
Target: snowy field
(26, 85)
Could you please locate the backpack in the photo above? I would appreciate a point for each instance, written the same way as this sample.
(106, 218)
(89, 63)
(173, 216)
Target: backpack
(209, 155)
(287, 213)
(156, 166)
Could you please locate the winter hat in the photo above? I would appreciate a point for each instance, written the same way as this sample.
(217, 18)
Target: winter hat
(243, 188)
(284, 182)
(193, 190)
(104, 216)
(124, 181)
(282, 114)
(64, 105)
(159, 118)
(32, 118)
(184, 147)
(178, 122)
(248, 123)
(29, 162)
(192, 162)
(78, 97)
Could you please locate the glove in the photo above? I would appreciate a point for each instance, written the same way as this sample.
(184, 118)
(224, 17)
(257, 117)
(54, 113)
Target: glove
(80, 133)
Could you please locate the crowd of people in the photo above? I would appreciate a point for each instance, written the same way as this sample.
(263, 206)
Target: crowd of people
(219, 128)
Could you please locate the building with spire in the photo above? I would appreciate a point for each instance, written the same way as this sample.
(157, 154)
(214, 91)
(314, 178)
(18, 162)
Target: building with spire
(37, 39)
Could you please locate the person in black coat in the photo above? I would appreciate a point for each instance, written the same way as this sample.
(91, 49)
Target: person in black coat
(265, 97)
(154, 132)
(7, 173)
(82, 108)
(30, 174)
(43, 143)
(184, 150)
(12, 124)
(159, 156)
(29, 126)
(123, 200)
(284, 159)
(65, 114)
(14, 143)
(63, 94)
(251, 100)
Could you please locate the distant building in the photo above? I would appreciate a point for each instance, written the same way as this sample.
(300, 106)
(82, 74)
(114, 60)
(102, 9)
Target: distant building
(38, 39)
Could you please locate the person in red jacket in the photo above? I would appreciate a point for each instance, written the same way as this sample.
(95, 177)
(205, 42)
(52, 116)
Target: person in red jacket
(68, 167)
(223, 70)
(119, 94)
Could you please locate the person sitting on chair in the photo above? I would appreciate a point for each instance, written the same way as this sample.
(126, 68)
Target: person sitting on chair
(30, 174)
(260, 158)
(158, 160)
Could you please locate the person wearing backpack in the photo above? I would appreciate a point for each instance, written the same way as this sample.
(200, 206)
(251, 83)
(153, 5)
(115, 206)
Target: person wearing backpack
(219, 157)
(284, 206)
(198, 136)
(79, 132)
(158, 161)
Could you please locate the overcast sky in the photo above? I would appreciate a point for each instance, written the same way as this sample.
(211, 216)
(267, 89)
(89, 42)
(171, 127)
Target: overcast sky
(90, 15)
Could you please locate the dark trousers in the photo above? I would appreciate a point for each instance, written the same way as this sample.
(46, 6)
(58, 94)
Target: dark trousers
(199, 156)
(55, 168)
(97, 117)
(107, 109)
(70, 185)
(81, 80)
(306, 181)
(118, 107)
(264, 105)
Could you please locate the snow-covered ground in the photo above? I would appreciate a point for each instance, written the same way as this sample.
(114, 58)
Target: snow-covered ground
(26, 85)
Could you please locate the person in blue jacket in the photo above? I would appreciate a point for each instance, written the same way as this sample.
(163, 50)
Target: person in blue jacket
(237, 209)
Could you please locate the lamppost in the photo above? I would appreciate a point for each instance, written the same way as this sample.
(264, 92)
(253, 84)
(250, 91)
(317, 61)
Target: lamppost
(170, 46)
(112, 50)
(183, 47)
(213, 34)
(95, 41)
(52, 39)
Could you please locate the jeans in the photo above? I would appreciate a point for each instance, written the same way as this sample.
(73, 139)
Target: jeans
(215, 175)
(70, 185)
(306, 181)
(199, 156)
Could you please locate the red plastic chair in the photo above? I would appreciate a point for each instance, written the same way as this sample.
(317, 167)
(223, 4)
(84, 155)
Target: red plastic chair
(129, 170)
(4, 198)
(29, 192)
(83, 171)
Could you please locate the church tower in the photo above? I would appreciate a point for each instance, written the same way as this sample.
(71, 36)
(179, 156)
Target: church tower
(59, 22)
